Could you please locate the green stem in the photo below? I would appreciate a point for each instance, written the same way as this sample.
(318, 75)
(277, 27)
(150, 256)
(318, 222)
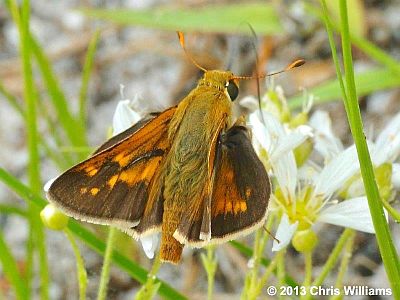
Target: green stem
(267, 274)
(251, 281)
(348, 250)
(281, 273)
(331, 262)
(12, 100)
(385, 241)
(87, 68)
(394, 213)
(11, 272)
(105, 272)
(308, 269)
(210, 265)
(36, 235)
(80, 266)
(328, 26)
(332, 259)
(150, 288)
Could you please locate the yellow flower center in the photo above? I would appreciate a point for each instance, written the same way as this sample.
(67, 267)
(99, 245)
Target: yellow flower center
(304, 209)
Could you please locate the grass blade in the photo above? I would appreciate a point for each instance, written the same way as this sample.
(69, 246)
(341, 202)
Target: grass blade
(8, 209)
(366, 46)
(366, 83)
(382, 232)
(10, 269)
(211, 18)
(71, 126)
(11, 100)
(87, 69)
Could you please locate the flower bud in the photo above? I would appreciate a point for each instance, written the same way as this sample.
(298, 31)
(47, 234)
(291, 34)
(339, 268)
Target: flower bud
(53, 218)
(303, 151)
(299, 119)
(305, 240)
(383, 175)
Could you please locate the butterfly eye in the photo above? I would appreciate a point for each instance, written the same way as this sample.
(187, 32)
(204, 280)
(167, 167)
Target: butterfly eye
(232, 89)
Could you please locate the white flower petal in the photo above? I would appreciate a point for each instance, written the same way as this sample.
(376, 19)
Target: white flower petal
(260, 133)
(249, 102)
(308, 172)
(356, 188)
(284, 233)
(124, 117)
(149, 244)
(396, 176)
(353, 213)
(48, 184)
(285, 172)
(337, 172)
(290, 141)
(326, 143)
(387, 145)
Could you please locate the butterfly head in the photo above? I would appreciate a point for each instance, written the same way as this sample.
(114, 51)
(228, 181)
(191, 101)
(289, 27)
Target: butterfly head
(221, 80)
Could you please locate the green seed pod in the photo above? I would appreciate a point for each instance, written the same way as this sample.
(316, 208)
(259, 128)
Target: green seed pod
(53, 218)
(305, 240)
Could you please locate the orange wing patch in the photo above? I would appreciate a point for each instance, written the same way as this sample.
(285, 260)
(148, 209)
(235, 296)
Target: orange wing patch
(91, 170)
(227, 197)
(94, 191)
(144, 171)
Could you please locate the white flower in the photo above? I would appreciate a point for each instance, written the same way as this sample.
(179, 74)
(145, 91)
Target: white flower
(353, 213)
(284, 233)
(325, 141)
(269, 135)
(396, 176)
(149, 244)
(304, 205)
(124, 116)
(387, 144)
(385, 150)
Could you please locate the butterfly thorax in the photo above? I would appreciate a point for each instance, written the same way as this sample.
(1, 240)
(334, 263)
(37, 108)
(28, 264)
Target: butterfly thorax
(193, 128)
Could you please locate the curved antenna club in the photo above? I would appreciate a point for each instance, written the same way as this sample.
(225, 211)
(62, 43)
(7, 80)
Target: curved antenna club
(294, 64)
(181, 38)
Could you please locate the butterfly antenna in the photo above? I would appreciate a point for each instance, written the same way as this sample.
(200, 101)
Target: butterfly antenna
(253, 44)
(182, 42)
(294, 64)
(269, 233)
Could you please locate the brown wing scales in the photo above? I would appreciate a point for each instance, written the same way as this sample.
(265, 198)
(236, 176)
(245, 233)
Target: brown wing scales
(112, 187)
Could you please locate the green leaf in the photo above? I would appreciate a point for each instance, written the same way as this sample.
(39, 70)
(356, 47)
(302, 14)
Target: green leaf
(11, 100)
(366, 83)
(373, 51)
(228, 18)
(87, 69)
(10, 270)
(382, 232)
(356, 15)
(69, 123)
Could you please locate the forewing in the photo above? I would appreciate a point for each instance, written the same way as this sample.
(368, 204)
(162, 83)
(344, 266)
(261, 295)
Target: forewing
(128, 132)
(112, 187)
